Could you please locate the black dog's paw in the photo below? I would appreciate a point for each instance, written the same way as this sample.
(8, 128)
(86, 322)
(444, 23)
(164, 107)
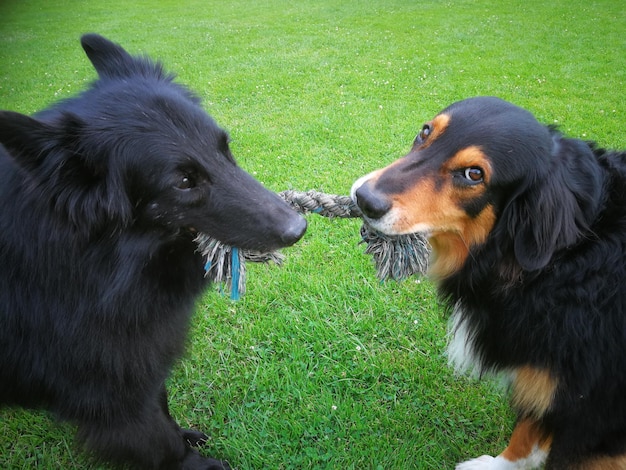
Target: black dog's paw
(194, 438)
(214, 464)
(195, 461)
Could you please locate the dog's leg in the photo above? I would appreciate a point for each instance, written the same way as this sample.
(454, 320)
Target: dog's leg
(191, 436)
(527, 449)
(146, 439)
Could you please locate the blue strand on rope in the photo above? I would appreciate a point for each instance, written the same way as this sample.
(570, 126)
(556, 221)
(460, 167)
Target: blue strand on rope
(234, 288)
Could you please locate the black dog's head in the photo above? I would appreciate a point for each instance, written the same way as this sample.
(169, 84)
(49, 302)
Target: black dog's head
(483, 167)
(137, 150)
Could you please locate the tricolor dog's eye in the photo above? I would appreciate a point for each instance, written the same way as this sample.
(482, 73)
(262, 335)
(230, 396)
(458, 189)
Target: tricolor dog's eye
(423, 134)
(473, 175)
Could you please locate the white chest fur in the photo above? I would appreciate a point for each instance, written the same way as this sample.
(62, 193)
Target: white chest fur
(462, 354)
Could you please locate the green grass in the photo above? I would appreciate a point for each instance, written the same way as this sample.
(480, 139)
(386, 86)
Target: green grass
(321, 366)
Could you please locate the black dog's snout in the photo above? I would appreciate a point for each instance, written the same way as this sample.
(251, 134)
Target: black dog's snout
(371, 202)
(294, 231)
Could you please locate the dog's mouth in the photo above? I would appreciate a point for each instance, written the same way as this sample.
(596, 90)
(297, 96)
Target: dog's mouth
(257, 239)
(382, 215)
(388, 225)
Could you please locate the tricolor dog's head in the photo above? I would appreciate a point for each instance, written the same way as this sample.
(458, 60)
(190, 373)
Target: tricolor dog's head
(484, 166)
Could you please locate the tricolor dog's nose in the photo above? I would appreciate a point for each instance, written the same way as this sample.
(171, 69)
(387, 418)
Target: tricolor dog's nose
(372, 203)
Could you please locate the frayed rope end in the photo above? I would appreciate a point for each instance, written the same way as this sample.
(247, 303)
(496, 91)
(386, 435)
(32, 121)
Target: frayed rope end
(226, 265)
(396, 257)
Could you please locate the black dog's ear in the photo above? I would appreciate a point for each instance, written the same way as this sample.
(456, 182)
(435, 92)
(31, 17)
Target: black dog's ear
(34, 144)
(558, 208)
(27, 140)
(77, 183)
(111, 60)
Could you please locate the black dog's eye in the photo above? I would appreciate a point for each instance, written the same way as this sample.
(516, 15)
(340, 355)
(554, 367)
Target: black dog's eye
(473, 175)
(423, 134)
(186, 182)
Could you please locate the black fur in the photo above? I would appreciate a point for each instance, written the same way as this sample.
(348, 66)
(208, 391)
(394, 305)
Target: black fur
(548, 288)
(101, 197)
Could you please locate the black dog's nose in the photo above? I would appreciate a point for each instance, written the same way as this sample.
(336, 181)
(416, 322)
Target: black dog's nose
(372, 203)
(294, 231)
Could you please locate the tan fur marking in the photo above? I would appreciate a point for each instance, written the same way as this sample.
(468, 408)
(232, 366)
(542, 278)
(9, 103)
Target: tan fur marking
(448, 255)
(438, 126)
(469, 157)
(533, 391)
(526, 435)
(451, 249)
(436, 203)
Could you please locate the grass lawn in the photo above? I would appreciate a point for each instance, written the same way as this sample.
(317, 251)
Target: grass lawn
(320, 365)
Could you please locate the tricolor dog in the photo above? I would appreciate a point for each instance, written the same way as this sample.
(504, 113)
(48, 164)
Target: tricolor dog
(528, 236)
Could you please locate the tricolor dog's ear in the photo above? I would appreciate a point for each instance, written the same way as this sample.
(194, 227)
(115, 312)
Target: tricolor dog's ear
(558, 207)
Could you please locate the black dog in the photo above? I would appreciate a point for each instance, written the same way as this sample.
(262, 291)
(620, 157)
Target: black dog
(528, 230)
(101, 197)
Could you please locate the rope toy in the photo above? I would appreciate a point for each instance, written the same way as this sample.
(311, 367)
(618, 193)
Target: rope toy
(395, 257)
